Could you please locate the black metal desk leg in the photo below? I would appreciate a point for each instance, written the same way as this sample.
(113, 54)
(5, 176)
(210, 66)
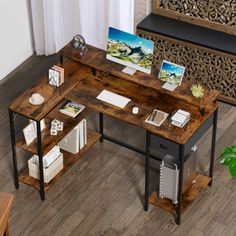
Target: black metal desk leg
(147, 170)
(40, 155)
(13, 147)
(101, 126)
(180, 184)
(213, 144)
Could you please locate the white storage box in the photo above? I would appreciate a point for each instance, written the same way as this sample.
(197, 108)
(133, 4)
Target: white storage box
(50, 172)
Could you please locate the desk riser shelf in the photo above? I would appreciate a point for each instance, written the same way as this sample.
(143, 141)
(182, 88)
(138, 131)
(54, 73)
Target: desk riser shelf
(106, 68)
(49, 141)
(68, 159)
(192, 194)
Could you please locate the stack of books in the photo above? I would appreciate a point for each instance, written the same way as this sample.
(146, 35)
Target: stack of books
(56, 75)
(180, 118)
(76, 139)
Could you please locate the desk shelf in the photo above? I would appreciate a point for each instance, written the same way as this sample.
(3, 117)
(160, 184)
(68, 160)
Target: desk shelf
(68, 158)
(202, 182)
(49, 141)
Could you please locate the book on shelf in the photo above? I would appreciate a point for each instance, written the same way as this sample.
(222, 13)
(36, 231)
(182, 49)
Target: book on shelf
(156, 117)
(72, 109)
(76, 139)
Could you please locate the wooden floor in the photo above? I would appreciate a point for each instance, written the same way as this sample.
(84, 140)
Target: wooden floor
(102, 194)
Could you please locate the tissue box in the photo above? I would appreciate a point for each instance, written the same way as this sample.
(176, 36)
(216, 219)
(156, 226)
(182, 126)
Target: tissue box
(49, 172)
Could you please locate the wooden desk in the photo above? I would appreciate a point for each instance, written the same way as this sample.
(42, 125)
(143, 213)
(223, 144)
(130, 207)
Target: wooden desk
(147, 93)
(85, 78)
(6, 200)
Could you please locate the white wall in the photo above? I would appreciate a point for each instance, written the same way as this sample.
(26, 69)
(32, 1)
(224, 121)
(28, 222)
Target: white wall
(15, 34)
(141, 9)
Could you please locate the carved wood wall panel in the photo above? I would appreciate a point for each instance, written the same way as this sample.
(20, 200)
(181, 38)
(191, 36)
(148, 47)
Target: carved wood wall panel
(219, 11)
(208, 67)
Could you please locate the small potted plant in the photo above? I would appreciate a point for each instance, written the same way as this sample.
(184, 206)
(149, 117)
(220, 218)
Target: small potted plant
(228, 158)
(198, 92)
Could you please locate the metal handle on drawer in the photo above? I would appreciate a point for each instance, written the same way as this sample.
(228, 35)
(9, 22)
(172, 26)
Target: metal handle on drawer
(165, 147)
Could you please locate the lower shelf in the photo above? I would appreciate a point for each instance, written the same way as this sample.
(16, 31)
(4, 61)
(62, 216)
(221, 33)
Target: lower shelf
(202, 182)
(69, 160)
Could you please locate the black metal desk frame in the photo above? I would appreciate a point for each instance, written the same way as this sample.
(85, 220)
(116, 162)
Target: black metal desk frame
(212, 122)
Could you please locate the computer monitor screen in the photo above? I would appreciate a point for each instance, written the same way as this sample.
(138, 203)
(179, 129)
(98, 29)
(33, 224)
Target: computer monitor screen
(171, 73)
(130, 50)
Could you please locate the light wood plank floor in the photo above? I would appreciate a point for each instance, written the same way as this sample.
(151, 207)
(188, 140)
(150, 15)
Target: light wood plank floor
(102, 194)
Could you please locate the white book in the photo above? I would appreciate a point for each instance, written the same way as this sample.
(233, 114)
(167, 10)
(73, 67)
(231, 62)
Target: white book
(180, 116)
(78, 137)
(178, 124)
(81, 135)
(85, 131)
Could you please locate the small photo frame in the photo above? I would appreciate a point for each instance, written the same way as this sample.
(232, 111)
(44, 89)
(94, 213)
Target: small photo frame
(29, 133)
(171, 73)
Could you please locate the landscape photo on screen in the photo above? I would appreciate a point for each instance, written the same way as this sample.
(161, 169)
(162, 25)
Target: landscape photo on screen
(130, 49)
(171, 72)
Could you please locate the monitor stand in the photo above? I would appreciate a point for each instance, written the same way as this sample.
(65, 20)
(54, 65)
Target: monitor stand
(170, 86)
(129, 70)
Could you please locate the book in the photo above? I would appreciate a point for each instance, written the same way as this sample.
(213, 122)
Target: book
(180, 118)
(85, 131)
(61, 71)
(81, 135)
(156, 117)
(72, 109)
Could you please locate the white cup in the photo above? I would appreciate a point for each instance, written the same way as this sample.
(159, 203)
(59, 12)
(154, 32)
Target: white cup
(36, 97)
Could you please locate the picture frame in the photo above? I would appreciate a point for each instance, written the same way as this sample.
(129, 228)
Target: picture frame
(171, 73)
(30, 133)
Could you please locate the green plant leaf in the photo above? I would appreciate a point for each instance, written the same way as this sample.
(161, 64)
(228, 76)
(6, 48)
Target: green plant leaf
(225, 158)
(228, 150)
(232, 167)
(233, 149)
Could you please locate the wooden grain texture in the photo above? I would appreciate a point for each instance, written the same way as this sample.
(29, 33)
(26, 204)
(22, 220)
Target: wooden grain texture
(6, 200)
(68, 160)
(108, 68)
(146, 99)
(188, 197)
(108, 174)
(49, 141)
(52, 94)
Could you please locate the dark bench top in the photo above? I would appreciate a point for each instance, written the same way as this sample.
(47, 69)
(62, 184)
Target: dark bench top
(189, 33)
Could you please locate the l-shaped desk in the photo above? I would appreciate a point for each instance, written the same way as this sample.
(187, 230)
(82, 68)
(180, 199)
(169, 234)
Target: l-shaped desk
(146, 92)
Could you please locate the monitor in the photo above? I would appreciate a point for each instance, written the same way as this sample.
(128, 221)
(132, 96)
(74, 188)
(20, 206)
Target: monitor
(172, 74)
(130, 50)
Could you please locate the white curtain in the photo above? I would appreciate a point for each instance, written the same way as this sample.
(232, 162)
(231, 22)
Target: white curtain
(55, 22)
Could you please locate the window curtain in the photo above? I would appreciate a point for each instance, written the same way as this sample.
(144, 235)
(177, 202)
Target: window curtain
(55, 22)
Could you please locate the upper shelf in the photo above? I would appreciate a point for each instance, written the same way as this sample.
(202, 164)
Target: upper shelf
(96, 59)
(188, 32)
